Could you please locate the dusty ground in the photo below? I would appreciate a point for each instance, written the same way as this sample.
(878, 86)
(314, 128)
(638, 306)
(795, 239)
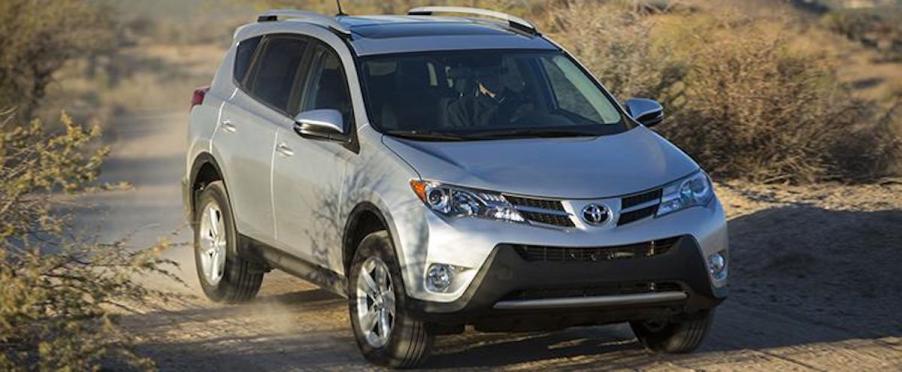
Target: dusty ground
(814, 286)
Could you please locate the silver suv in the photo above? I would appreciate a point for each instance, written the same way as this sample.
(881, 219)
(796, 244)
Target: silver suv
(441, 172)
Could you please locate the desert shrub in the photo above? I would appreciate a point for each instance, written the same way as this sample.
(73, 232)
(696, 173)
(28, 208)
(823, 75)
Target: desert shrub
(877, 28)
(60, 294)
(619, 51)
(755, 107)
(37, 37)
(742, 100)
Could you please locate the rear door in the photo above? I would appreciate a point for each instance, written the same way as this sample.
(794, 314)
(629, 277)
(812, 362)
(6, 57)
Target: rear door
(308, 173)
(246, 137)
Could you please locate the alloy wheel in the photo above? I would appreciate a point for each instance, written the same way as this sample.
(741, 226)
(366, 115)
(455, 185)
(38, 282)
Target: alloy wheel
(212, 243)
(375, 302)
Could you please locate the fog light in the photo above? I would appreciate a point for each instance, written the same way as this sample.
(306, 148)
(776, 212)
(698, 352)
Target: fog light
(439, 277)
(717, 266)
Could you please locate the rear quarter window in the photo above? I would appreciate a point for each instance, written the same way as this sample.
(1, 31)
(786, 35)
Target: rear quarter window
(244, 55)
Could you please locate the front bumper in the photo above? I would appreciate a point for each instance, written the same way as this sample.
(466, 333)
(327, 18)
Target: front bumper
(511, 291)
(422, 239)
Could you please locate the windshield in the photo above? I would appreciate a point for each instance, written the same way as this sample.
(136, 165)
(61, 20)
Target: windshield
(486, 94)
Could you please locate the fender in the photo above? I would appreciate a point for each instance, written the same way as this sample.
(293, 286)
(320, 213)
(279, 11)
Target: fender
(204, 158)
(352, 223)
(245, 246)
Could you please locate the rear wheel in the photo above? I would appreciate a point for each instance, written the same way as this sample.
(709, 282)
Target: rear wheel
(224, 276)
(386, 334)
(679, 335)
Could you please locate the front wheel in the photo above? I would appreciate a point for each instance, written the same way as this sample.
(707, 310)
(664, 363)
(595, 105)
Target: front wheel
(679, 335)
(386, 334)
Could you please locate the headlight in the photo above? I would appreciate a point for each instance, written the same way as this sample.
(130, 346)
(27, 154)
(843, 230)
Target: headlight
(451, 201)
(691, 191)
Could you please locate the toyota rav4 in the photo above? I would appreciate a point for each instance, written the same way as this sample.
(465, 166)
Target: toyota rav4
(443, 172)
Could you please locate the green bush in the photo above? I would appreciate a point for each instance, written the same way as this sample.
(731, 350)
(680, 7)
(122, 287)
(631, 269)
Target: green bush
(59, 295)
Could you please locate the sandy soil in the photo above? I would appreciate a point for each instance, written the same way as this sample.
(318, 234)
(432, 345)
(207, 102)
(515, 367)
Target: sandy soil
(814, 286)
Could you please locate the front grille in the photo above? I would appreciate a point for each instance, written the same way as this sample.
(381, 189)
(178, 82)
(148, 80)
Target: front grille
(634, 200)
(636, 215)
(611, 289)
(539, 253)
(551, 212)
(638, 206)
(552, 205)
(548, 219)
(543, 211)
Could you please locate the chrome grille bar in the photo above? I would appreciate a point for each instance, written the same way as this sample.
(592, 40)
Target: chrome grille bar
(641, 206)
(577, 302)
(541, 210)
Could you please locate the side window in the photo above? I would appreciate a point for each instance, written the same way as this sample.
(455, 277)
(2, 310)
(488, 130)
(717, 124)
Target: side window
(327, 86)
(243, 57)
(276, 70)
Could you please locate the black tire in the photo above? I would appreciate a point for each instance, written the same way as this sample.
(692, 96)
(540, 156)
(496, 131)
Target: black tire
(410, 340)
(240, 279)
(679, 335)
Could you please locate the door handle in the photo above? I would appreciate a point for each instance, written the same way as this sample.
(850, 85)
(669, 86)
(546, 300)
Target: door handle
(284, 149)
(229, 127)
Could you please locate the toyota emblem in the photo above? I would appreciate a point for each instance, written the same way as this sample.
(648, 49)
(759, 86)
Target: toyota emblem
(595, 214)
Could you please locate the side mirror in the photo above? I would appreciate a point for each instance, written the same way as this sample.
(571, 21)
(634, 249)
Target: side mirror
(646, 111)
(325, 124)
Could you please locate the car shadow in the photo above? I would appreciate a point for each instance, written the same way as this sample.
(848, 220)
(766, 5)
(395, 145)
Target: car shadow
(613, 346)
(835, 269)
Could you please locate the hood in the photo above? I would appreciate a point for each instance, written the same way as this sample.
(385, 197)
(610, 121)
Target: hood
(568, 168)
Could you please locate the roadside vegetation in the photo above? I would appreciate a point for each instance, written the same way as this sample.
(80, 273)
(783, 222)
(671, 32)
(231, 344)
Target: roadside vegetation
(39, 38)
(878, 28)
(743, 96)
(60, 293)
(753, 96)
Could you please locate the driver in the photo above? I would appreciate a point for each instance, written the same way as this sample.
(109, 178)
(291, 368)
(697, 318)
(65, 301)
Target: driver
(493, 105)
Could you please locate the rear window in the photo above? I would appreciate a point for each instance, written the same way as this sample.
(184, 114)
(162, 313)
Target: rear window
(275, 71)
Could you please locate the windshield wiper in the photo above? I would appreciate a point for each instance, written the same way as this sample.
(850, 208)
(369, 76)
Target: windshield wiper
(426, 135)
(494, 134)
(536, 132)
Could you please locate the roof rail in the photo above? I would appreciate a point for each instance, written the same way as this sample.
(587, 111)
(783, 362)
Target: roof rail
(515, 22)
(305, 16)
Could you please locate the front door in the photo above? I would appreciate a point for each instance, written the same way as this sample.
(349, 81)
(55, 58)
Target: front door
(308, 174)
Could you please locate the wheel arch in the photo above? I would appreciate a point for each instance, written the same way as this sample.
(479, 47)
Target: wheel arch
(204, 169)
(364, 219)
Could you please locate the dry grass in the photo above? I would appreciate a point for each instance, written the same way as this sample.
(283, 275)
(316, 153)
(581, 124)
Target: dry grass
(743, 99)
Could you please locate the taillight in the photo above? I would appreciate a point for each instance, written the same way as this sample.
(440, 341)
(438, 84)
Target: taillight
(198, 97)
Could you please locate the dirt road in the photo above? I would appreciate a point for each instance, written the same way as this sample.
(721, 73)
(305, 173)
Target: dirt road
(815, 286)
